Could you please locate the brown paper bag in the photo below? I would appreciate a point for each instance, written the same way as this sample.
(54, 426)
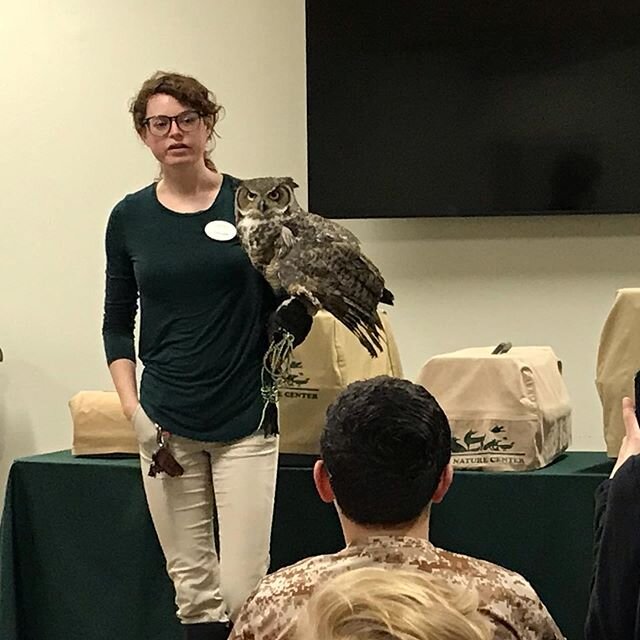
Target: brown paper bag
(99, 426)
(618, 361)
(508, 412)
(324, 364)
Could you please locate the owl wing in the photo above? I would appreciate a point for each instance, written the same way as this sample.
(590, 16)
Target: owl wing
(334, 275)
(332, 230)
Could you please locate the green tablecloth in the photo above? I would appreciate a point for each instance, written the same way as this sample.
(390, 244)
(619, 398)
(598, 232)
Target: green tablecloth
(79, 559)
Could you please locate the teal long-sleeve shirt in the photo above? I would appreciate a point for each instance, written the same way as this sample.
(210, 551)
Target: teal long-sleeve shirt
(203, 311)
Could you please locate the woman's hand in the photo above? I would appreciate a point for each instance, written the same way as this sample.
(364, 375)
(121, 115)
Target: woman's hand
(123, 372)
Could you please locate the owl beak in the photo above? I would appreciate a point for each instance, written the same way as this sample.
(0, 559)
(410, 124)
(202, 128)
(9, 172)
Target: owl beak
(262, 206)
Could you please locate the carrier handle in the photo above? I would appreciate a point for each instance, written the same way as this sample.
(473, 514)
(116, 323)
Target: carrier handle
(503, 347)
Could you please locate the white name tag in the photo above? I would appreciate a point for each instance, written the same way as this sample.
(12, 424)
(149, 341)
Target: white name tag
(220, 230)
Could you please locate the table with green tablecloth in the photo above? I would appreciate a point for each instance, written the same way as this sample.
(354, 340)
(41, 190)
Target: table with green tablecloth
(79, 559)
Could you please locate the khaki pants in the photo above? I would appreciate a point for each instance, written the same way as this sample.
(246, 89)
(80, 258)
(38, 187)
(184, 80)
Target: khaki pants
(236, 479)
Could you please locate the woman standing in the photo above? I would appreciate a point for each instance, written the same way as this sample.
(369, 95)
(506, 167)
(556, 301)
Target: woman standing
(203, 318)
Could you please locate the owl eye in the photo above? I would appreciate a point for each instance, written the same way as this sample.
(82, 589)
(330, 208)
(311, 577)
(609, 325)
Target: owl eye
(275, 194)
(251, 195)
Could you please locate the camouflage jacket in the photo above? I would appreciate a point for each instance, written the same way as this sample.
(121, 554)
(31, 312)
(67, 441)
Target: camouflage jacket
(506, 598)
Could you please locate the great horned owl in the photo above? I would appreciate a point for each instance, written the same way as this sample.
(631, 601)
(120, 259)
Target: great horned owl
(310, 257)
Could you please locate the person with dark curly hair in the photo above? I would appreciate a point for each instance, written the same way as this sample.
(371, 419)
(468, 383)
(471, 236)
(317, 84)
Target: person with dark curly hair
(386, 458)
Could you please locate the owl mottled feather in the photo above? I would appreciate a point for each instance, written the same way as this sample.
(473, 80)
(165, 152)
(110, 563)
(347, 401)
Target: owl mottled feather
(311, 257)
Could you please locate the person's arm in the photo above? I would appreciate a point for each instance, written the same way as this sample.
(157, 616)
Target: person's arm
(270, 612)
(243, 625)
(615, 589)
(528, 612)
(123, 374)
(120, 306)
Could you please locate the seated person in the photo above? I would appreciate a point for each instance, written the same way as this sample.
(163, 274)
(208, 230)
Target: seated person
(614, 606)
(373, 602)
(386, 450)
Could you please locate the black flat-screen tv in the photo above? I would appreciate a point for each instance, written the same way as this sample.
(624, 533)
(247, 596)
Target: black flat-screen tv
(471, 107)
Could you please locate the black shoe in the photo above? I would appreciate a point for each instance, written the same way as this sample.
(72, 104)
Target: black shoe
(207, 631)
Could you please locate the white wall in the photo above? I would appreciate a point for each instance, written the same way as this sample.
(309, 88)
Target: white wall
(69, 153)
(479, 281)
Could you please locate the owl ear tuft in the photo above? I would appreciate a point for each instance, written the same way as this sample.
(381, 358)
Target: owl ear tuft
(291, 182)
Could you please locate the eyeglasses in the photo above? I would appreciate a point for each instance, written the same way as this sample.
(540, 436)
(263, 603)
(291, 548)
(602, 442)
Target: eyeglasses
(161, 125)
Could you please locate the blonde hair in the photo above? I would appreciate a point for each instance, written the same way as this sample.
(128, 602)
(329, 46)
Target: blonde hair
(375, 603)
